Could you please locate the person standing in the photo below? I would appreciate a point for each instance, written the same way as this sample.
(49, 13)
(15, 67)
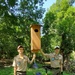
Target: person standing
(56, 61)
(20, 61)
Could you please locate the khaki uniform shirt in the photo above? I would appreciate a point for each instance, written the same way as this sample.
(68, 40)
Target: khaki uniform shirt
(21, 64)
(56, 60)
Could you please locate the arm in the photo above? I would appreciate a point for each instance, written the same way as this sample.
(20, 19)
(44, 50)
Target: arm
(33, 59)
(48, 63)
(15, 69)
(42, 53)
(61, 65)
(15, 66)
(61, 68)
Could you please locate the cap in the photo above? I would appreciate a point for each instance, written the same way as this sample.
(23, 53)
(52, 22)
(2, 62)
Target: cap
(57, 47)
(20, 46)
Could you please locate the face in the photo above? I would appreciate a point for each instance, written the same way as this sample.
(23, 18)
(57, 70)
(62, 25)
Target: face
(20, 50)
(57, 51)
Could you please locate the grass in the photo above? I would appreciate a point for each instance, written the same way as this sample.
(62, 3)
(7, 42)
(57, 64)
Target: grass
(6, 71)
(30, 71)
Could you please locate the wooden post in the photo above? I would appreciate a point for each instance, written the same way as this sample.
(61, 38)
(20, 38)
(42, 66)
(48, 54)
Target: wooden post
(35, 38)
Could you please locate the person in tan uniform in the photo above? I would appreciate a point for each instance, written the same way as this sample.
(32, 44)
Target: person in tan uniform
(56, 61)
(20, 61)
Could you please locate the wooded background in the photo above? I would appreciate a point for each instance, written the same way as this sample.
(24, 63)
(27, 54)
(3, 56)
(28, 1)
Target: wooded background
(58, 27)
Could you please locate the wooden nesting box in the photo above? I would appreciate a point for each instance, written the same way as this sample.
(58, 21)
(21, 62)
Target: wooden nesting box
(35, 38)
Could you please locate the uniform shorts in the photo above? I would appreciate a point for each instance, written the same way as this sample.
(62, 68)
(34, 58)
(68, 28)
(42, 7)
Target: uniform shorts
(56, 71)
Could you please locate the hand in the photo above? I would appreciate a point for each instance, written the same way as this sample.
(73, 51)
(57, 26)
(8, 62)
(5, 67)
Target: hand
(40, 49)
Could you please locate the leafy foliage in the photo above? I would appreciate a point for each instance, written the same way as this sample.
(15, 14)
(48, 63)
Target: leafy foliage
(15, 19)
(59, 25)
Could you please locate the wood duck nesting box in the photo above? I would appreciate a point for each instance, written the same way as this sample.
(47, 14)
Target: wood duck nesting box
(35, 38)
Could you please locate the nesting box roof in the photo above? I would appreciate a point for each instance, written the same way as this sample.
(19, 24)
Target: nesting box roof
(34, 25)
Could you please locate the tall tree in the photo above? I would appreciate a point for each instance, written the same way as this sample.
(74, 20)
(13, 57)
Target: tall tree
(63, 25)
(15, 19)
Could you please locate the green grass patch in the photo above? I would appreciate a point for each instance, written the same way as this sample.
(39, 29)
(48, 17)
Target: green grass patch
(6, 71)
(30, 71)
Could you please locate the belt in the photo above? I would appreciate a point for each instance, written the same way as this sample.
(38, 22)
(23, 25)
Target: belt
(21, 72)
(55, 68)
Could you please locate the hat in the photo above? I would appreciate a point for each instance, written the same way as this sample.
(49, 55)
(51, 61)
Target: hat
(20, 46)
(57, 47)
